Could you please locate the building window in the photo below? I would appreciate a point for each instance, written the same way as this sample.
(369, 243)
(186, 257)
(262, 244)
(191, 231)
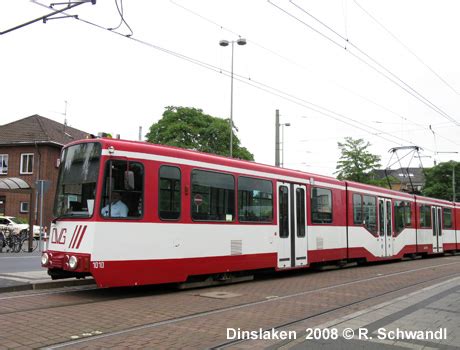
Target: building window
(3, 164)
(255, 200)
(447, 217)
(321, 206)
(213, 196)
(169, 200)
(2, 205)
(27, 163)
(24, 207)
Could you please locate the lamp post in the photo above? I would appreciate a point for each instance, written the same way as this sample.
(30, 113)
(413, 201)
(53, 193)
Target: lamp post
(224, 43)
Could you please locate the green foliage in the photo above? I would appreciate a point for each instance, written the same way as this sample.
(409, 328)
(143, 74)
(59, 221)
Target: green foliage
(22, 220)
(190, 128)
(356, 163)
(438, 181)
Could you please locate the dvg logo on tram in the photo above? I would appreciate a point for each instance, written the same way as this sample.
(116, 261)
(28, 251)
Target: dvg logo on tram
(58, 238)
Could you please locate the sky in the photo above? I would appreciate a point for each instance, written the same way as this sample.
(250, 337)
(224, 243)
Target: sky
(383, 71)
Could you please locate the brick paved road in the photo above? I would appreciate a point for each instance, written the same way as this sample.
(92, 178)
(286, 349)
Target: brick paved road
(161, 318)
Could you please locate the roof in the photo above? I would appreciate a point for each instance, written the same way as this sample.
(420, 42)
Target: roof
(38, 129)
(196, 156)
(416, 175)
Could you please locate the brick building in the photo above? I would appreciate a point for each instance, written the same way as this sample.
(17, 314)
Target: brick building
(30, 149)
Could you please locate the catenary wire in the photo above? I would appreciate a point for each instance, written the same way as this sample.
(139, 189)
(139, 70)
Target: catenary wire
(406, 47)
(261, 86)
(388, 75)
(303, 67)
(412, 91)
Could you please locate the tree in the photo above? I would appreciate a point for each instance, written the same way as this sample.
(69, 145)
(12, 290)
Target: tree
(356, 163)
(190, 128)
(438, 181)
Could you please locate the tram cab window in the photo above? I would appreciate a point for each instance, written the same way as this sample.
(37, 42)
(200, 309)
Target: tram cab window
(169, 196)
(76, 185)
(321, 206)
(123, 189)
(213, 196)
(255, 200)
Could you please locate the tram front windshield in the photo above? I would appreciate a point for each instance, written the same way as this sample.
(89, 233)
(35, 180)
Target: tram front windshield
(76, 189)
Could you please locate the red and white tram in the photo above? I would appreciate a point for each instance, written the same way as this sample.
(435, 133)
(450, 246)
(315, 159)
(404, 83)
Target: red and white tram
(133, 213)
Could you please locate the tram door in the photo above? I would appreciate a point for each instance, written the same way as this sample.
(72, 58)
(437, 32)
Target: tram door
(436, 214)
(292, 227)
(385, 227)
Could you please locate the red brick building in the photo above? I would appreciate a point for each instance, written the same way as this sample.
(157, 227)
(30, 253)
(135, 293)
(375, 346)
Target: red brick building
(30, 149)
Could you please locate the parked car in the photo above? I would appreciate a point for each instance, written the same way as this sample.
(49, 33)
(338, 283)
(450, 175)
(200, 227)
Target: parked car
(12, 223)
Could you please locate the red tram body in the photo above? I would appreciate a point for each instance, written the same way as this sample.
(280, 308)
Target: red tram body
(183, 214)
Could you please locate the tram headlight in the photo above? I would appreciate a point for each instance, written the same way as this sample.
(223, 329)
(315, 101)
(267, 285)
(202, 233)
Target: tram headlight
(45, 259)
(73, 262)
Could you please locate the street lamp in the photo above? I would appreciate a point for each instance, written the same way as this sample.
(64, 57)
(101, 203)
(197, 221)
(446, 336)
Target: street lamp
(224, 43)
(282, 142)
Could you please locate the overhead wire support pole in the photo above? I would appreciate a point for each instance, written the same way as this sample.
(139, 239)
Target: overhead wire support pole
(45, 18)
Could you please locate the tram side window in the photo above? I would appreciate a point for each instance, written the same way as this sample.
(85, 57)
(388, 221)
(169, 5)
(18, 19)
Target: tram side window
(357, 209)
(283, 202)
(169, 196)
(370, 213)
(402, 215)
(321, 206)
(425, 216)
(213, 196)
(447, 217)
(123, 189)
(300, 214)
(255, 200)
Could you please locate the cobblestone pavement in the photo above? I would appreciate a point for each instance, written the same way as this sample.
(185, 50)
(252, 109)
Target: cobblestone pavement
(158, 318)
(431, 314)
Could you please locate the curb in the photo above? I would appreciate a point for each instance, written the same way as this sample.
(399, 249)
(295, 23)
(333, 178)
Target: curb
(47, 285)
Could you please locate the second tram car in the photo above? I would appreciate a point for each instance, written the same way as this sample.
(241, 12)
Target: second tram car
(132, 213)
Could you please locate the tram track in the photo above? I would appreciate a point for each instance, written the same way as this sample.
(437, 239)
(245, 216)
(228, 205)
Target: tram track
(100, 295)
(242, 306)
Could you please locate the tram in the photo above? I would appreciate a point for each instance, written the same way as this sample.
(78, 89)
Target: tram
(133, 213)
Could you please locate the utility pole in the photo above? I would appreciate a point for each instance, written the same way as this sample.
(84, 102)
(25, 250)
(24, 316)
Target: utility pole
(277, 138)
(453, 182)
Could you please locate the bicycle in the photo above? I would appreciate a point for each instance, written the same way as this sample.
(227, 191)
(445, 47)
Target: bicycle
(10, 241)
(24, 245)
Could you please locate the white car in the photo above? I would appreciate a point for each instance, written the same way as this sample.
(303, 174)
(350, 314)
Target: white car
(12, 223)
